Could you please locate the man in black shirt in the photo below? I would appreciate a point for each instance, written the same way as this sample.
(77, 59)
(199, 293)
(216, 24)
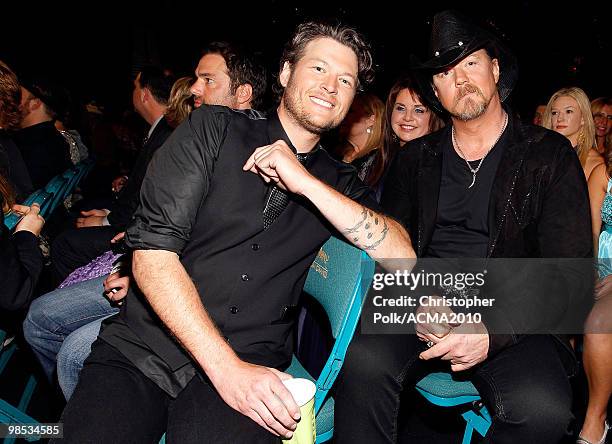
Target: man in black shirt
(44, 150)
(226, 75)
(234, 208)
(76, 247)
(486, 186)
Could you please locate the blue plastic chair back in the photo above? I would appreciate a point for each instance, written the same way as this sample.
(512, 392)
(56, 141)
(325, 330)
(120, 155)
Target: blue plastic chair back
(72, 178)
(75, 174)
(443, 390)
(56, 188)
(338, 279)
(41, 197)
(55, 192)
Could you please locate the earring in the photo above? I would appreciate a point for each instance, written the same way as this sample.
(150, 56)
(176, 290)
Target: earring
(369, 130)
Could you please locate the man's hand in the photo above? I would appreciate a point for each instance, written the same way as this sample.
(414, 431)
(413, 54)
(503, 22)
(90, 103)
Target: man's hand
(119, 236)
(118, 183)
(257, 392)
(31, 221)
(94, 212)
(93, 218)
(277, 163)
(434, 331)
(465, 346)
(116, 287)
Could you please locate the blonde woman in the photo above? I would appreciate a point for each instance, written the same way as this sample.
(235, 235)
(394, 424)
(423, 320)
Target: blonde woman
(361, 133)
(568, 112)
(602, 116)
(180, 103)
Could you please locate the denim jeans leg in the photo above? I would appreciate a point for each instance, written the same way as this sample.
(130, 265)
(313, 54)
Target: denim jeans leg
(53, 316)
(72, 354)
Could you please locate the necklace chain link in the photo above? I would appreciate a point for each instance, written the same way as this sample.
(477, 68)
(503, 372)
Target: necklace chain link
(474, 171)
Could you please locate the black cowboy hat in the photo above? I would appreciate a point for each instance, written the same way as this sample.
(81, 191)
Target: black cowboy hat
(454, 37)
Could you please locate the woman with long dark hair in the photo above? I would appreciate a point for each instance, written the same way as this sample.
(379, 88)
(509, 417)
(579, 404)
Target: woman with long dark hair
(407, 117)
(20, 257)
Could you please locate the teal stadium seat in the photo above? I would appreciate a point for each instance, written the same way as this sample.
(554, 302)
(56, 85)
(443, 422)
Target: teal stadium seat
(56, 187)
(55, 192)
(40, 197)
(442, 390)
(10, 414)
(339, 280)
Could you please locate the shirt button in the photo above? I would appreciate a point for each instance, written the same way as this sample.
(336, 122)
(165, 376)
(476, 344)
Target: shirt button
(254, 247)
(233, 310)
(244, 277)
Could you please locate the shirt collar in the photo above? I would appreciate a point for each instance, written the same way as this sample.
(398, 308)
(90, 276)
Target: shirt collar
(154, 125)
(277, 132)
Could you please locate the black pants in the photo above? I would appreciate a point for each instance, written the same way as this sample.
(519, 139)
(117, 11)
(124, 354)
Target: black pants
(77, 247)
(525, 388)
(115, 403)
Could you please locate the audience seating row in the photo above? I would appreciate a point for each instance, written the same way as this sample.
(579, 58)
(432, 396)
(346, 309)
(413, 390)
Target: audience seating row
(55, 192)
(49, 198)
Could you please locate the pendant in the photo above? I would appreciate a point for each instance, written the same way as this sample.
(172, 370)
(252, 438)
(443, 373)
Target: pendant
(473, 180)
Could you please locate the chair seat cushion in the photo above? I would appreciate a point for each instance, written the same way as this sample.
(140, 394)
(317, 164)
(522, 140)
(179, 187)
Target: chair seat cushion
(443, 385)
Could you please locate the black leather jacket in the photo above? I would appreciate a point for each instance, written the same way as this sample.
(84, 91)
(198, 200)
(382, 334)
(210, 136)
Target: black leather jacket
(538, 208)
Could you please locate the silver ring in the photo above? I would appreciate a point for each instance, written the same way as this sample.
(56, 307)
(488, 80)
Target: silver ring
(429, 344)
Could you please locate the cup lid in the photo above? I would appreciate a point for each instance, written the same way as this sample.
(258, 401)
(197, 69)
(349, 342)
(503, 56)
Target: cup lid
(302, 390)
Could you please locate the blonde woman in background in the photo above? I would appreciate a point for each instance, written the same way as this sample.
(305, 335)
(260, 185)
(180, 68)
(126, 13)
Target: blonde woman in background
(361, 133)
(568, 112)
(180, 103)
(602, 116)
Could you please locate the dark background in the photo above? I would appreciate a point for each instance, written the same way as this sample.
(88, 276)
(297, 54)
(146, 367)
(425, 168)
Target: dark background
(94, 47)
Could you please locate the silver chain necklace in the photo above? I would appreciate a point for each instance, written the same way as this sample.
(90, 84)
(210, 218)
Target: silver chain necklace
(474, 171)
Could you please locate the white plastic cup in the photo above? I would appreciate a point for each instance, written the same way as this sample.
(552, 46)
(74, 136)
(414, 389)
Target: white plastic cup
(303, 392)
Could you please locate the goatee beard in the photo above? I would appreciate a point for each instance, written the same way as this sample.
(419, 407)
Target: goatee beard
(472, 108)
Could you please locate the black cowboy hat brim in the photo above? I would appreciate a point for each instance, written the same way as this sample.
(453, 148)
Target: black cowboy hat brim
(448, 58)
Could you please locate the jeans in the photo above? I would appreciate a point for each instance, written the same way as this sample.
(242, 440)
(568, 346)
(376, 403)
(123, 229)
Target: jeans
(61, 326)
(115, 402)
(525, 388)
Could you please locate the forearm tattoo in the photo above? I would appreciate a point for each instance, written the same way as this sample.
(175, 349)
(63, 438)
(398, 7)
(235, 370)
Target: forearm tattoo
(369, 232)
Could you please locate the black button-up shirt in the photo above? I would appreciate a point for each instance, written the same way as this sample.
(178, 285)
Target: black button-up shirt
(198, 202)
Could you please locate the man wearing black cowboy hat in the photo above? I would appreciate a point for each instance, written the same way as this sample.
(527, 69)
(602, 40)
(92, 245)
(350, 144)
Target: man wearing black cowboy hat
(486, 186)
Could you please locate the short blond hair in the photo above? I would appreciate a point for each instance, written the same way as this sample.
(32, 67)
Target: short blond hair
(180, 101)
